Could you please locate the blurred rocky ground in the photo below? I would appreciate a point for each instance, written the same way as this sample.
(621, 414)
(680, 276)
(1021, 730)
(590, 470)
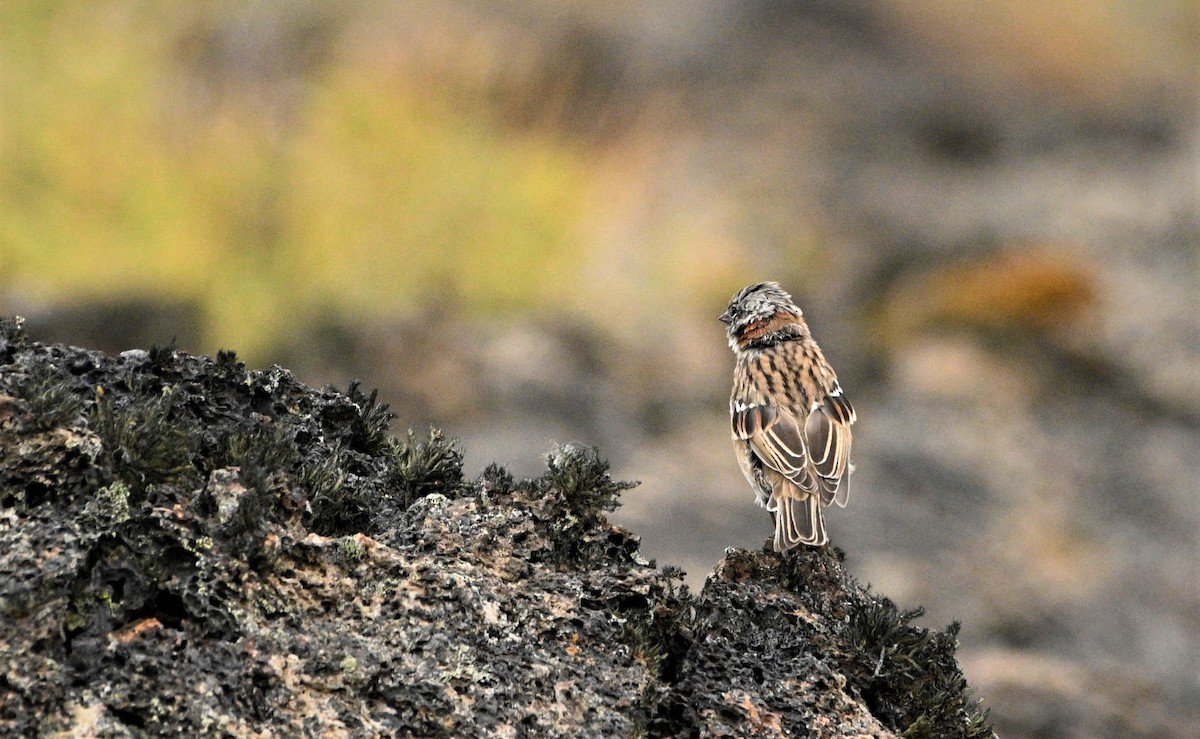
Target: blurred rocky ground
(992, 220)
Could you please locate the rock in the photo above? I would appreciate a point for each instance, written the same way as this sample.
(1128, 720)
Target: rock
(188, 547)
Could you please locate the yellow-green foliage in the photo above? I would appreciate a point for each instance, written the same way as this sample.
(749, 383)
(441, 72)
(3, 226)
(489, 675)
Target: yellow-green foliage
(125, 171)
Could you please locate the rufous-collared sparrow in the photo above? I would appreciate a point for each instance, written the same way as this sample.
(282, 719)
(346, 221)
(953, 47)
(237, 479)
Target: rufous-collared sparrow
(791, 420)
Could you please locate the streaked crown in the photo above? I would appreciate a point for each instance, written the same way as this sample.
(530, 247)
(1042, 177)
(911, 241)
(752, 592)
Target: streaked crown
(758, 302)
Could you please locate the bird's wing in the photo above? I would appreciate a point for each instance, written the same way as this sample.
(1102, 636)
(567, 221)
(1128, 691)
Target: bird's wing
(827, 432)
(774, 436)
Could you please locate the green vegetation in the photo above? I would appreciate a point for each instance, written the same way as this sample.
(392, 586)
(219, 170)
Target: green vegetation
(908, 676)
(51, 399)
(134, 161)
(370, 429)
(585, 491)
(661, 630)
(423, 466)
(581, 476)
(145, 442)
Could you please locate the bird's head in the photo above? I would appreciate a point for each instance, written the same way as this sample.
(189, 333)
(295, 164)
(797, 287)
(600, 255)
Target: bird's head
(762, 313)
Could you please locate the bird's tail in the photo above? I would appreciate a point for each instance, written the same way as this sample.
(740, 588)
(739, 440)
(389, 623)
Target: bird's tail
(798, 520)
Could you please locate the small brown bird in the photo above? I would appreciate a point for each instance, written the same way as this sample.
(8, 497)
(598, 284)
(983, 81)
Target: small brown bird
(791, 420)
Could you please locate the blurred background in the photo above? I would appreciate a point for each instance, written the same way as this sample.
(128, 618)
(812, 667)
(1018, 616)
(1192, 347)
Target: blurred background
(520, 218)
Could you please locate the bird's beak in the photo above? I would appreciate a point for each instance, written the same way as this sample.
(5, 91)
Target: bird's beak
(725, 318)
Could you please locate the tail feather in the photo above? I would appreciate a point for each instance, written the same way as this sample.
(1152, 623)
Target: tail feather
(799, 521)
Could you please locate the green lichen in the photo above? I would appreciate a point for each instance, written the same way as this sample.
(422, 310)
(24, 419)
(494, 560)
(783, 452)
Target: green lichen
(462, 667)
(105, 596)
(202, 544)
(350, 549)
(107, 508)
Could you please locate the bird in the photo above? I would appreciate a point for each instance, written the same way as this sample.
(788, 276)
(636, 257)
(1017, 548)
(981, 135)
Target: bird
(790, 417)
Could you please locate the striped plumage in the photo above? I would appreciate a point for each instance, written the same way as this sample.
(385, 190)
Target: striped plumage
(790, 419)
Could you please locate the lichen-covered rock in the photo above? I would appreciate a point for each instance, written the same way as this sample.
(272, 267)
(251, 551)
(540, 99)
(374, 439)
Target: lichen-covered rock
(190, 548)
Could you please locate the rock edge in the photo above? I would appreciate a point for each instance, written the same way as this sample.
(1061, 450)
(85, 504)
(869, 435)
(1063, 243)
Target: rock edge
(189, 547)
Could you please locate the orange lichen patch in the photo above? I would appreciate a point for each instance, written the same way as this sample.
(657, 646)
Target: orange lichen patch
(573, 647)
(762, 722)
(135, 630)
(1031, 288)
